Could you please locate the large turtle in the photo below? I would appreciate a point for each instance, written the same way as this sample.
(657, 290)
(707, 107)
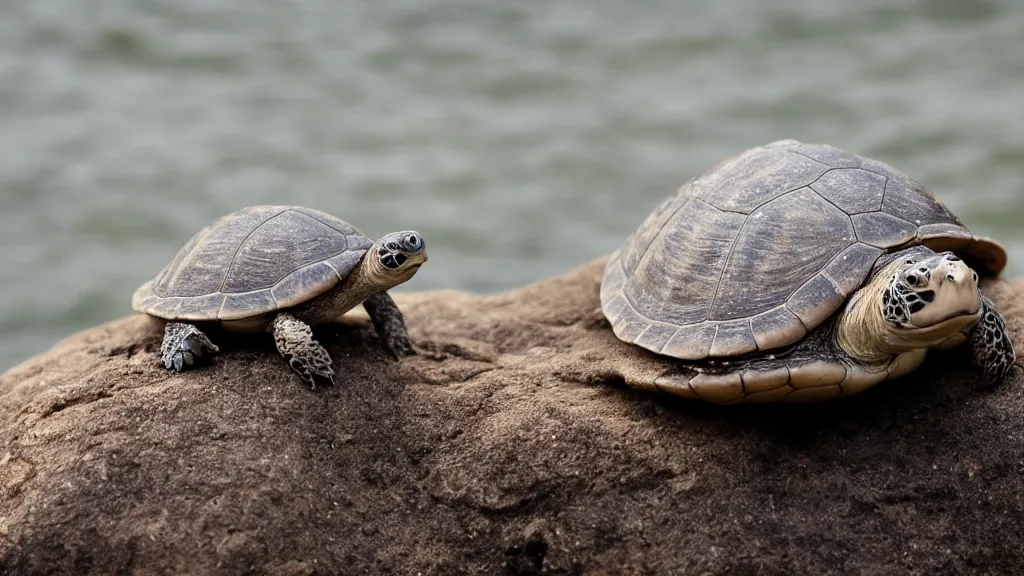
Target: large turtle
(280, 269)
(799, 272)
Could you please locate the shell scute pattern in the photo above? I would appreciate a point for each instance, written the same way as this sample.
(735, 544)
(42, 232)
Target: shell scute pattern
(835, 184)
(696, 240)
(883, 230)
(756, 177)
(783, 244)
(252, 262)
(732, 339)
(201, 266)
(278, 247)
(850, 268)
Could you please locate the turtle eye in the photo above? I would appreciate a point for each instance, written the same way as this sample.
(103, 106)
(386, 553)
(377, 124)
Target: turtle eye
(413, 242)
(911, 279)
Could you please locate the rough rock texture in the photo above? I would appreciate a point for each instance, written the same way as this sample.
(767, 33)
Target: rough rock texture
(508, 445)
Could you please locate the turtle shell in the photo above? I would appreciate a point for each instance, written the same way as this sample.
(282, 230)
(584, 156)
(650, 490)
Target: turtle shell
(765, 246)
(251, 262)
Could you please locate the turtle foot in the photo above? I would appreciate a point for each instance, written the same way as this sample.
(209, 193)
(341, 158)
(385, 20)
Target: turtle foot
(390, 325)
(991, 349)
(294, 340)
(183, 345)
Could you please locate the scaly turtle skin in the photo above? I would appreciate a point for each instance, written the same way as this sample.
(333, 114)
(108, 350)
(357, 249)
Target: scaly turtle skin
(281, 269)
(798, 272)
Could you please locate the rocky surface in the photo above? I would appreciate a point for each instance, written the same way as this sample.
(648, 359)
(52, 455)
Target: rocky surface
(509, 444)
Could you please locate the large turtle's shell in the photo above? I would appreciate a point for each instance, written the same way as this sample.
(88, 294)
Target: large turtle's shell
(251, 262)
(766, 246)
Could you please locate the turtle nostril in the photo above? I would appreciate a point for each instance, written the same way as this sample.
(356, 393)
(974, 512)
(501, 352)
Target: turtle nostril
(950, 277)
(922, 270)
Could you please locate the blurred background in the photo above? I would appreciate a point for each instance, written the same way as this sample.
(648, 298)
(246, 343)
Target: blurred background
(522, 138)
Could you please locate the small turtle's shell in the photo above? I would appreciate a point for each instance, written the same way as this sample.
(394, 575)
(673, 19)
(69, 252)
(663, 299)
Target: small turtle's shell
(767, 245)
(251, 262)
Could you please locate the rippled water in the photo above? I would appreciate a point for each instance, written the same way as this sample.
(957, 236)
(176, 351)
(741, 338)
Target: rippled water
(522, 138)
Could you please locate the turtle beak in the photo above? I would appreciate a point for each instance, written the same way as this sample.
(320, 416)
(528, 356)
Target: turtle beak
(418, 259)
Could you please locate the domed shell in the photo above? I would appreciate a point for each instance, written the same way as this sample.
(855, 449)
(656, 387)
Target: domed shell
(251, 262)
(767, 245)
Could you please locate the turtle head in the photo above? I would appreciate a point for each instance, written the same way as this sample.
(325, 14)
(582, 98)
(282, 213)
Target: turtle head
(927, 291)
(400, 255)
(917, 300)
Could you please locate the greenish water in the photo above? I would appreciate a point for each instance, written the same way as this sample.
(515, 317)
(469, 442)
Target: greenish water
(521, 138)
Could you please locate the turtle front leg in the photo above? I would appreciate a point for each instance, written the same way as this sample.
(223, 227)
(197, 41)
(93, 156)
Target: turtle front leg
(390, 324)
(991, 349)
(294, 340)
(183, 344)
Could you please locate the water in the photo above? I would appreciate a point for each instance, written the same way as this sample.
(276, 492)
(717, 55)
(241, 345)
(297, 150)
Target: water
(521, 138)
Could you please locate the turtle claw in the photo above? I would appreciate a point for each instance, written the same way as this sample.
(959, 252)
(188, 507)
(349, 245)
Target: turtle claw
(184, 345)
(195, 347)
(399, 345)
(311, 374)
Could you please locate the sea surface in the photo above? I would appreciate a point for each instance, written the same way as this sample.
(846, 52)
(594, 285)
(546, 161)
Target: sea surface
(522, 138)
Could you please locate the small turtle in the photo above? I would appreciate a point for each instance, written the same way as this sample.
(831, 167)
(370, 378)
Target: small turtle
(280, 269)
(798, 272)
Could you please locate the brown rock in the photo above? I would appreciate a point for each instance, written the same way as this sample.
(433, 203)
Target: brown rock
(510, 444)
